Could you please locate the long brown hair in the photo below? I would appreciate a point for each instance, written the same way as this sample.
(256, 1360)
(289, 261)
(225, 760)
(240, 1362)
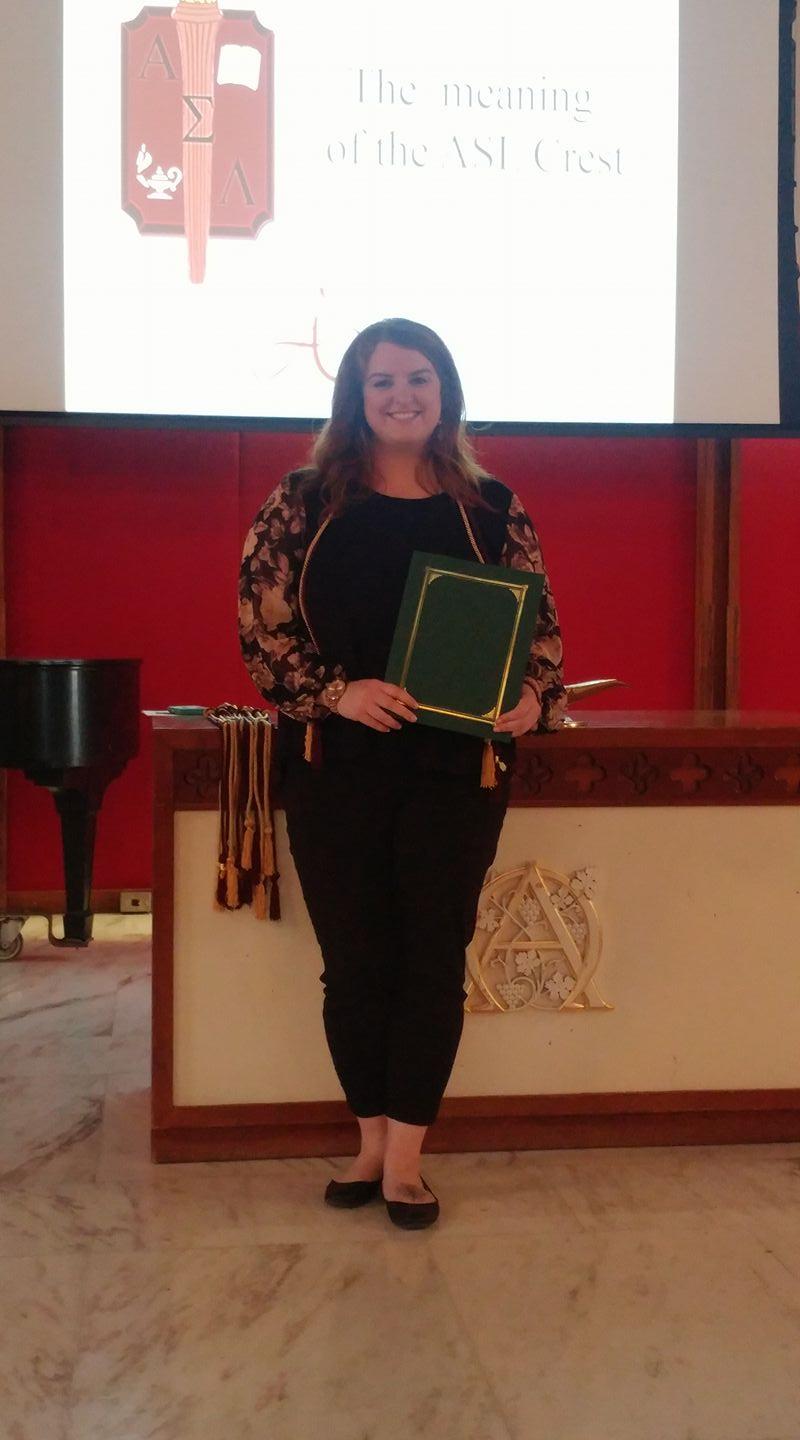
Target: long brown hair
(341, 456)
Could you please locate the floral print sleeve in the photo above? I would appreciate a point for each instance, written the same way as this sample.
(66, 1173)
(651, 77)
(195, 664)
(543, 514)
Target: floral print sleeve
(544, 670)
(283, 661)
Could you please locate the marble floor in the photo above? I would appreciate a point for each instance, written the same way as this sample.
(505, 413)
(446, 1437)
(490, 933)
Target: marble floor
(564, 1295)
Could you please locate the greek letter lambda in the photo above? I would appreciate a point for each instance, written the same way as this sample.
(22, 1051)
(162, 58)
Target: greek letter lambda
(198, 114)
(238, 173)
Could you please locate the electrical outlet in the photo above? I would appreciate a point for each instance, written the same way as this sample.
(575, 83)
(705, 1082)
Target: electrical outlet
(135, 902)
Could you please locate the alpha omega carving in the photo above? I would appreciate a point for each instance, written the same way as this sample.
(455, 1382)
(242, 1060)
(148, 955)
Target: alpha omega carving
(537, 943)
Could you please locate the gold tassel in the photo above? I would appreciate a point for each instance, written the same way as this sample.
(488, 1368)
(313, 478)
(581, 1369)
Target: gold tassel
(222, 839)
(313, 747)
(250, 738)
(247, 873)
(488, 771)
(260, 900)
(266, 841)
(231, 868)
(247, 842)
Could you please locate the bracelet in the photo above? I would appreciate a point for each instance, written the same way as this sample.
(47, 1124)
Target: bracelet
(333, 692)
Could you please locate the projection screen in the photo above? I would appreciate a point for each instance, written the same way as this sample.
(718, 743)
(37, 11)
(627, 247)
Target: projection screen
(590, 200)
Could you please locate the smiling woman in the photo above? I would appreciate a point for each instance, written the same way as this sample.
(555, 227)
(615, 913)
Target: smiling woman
(391, 371)
(392, 825)
(402, 406)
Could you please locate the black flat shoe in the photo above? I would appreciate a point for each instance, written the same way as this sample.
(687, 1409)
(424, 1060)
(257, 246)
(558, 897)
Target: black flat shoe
(349, 1194)
(408, 1216)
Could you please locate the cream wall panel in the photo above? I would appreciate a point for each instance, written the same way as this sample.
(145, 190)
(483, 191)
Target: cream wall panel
(700, 913)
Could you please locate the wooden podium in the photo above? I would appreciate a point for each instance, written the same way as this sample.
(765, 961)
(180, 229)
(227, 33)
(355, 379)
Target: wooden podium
(691, 823)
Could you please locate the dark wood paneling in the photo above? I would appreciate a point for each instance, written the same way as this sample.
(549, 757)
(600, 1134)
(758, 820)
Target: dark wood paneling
(733, 597)
(591, 775)
(3, 788)
(716, 668)
(493, 1122)
(163, 892)
(749, 775)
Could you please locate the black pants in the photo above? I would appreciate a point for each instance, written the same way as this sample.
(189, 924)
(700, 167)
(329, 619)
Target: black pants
(391, 864)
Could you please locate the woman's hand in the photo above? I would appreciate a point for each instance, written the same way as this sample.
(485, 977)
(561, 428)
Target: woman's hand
(524, 717)
(376, 703)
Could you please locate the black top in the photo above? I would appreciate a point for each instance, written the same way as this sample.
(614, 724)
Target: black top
(353, 587)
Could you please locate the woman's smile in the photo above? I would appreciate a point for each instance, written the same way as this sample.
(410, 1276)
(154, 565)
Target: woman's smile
(402, 396)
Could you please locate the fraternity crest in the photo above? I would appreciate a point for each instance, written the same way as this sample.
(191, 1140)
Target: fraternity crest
(197, 123)
(536, 943)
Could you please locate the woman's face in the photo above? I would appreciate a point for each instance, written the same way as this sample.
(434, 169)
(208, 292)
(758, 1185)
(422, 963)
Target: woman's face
(402, 397)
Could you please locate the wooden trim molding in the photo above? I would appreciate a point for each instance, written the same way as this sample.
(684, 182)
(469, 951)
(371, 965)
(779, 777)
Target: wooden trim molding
(659, 775)
(488, 1122)
(53, 902)
(589, 774)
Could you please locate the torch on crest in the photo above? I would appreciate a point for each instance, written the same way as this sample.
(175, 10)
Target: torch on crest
(197, 96)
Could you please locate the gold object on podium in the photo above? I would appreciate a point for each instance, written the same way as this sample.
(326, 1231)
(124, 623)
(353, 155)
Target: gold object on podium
(583, 688)
(580, 691)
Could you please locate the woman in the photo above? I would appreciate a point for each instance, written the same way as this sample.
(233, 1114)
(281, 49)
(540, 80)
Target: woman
(392, 826)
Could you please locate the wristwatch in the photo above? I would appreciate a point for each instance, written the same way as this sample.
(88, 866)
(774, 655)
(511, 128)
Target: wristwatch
(332, 694)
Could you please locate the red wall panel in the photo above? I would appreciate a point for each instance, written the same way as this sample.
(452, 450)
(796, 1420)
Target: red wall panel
(119, 543)
(617, 525)
(770, 588)
(127, 542)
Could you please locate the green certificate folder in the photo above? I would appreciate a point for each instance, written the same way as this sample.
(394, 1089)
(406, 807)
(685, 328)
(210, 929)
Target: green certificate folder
(462, 640)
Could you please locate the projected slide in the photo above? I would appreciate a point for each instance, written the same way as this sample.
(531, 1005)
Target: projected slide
(245, 189)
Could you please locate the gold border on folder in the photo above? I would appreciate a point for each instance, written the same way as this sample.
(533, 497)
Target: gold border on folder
(518, 591)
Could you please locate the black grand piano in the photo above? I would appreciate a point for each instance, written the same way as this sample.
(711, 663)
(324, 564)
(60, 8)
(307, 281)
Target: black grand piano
(71, 726)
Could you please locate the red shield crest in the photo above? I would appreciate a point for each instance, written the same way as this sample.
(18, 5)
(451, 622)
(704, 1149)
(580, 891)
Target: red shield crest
(197, 123)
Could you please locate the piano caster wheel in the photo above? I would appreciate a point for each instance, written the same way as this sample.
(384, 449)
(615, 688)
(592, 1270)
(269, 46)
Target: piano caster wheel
(10, 938)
